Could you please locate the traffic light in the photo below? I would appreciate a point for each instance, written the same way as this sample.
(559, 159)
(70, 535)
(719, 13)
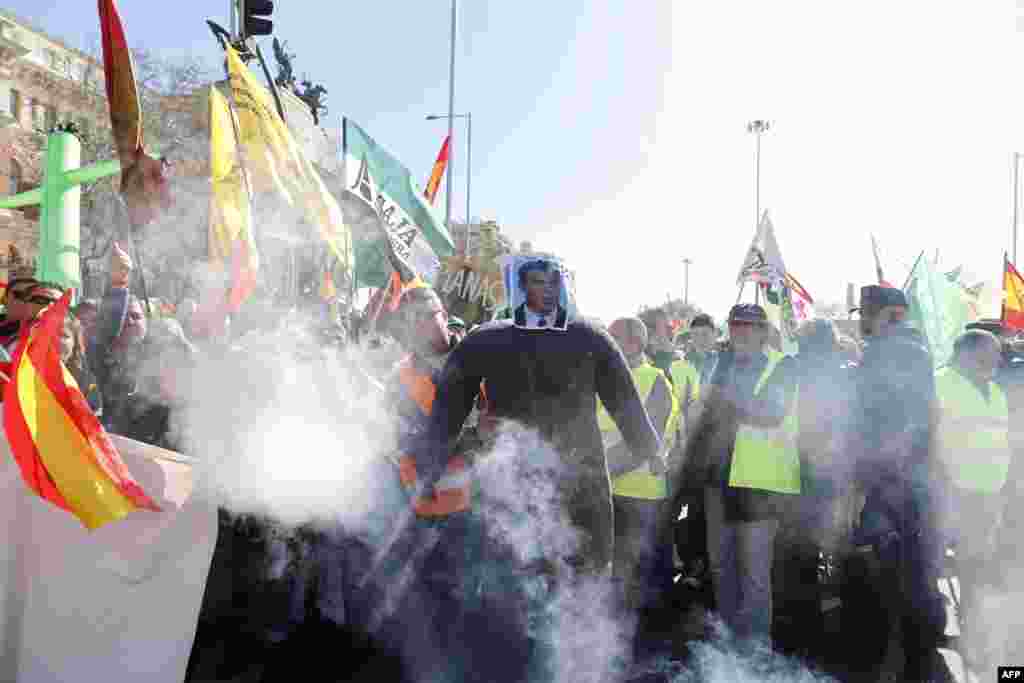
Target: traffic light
(255, 18)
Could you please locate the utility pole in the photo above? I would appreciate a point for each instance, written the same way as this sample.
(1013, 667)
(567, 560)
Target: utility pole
(1016, 202)
(758, 128)
(686, 280)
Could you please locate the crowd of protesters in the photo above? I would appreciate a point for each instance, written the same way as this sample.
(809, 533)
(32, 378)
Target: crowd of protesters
(706, 469)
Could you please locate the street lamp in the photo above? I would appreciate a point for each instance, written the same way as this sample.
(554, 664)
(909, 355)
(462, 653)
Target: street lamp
(758, 128)
(686, 280)
(469, 161)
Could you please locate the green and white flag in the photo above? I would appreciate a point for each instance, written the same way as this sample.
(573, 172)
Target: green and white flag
(937, 309)
(388, 213)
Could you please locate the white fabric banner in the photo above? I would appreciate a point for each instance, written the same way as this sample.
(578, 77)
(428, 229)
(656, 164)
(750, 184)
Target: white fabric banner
(117, 604)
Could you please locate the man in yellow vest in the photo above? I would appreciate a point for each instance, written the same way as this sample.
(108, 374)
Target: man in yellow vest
(642, 555)
(974, 444)
(744, 453)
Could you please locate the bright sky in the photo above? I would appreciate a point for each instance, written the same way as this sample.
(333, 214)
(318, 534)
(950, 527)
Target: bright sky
(614, 132)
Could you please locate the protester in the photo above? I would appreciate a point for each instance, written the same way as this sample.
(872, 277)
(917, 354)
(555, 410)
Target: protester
(87, 313)
(744, 455)
(703, 356)
(660, 349)
(811, 527)
(643, 557)
(73, 355)
(891, 446)
(120, 333)
(974, 444)
(165, 363)
(19, 287)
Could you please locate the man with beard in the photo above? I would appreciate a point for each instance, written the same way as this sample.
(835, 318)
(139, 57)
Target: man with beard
(555, 471)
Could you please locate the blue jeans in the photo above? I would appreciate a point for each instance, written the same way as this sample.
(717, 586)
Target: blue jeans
(740, 555)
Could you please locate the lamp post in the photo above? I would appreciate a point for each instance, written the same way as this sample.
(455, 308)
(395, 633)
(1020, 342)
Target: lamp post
(758, 128)
(1016, 202)
(469, 160)
(686, 280)
(451, 123)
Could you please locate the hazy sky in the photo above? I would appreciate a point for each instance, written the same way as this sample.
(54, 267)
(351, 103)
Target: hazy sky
(613, 132)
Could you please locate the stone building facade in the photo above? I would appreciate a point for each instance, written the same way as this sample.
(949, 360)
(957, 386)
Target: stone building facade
(42, 82)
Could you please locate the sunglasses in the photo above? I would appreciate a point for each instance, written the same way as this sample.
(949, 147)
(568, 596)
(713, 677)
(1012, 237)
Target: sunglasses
(21, 294)
(40, 300)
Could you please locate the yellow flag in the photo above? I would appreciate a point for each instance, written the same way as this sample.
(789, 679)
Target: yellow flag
(231, 239)
(276, 162)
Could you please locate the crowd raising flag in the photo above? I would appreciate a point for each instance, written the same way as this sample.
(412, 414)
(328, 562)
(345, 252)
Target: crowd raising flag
(1013, 296)
(63, 452)
(231, 240)
(437, 174)
(276, 163)
(143, 184)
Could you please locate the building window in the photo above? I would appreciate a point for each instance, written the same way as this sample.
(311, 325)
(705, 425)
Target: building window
(16, 104)
(14, 180)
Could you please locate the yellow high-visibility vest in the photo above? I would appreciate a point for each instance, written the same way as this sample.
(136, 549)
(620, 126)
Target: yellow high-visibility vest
(766, 458)
(974, 432)
(640, 483)
(683, 374)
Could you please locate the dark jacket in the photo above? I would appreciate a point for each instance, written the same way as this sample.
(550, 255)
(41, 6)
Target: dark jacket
(115, 369)
(892, 433)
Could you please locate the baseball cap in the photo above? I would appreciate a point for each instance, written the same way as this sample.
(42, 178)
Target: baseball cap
(876, 295)
(748, 313)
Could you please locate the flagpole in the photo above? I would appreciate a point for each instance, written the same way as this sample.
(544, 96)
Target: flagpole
(1016, 201)
(451, 124)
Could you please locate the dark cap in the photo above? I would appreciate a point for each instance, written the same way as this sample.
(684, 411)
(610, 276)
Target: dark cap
(880, 297)
(702, 320)
(748, 313)
(993, 325)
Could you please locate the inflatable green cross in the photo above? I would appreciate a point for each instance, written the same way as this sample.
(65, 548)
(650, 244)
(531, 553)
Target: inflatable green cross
(60, 215)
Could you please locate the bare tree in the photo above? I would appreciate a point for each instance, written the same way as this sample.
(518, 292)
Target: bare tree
(166, 250)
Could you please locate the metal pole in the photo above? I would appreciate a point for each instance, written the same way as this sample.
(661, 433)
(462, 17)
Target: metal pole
(757, 180)
(451, 120)
(686, 280)
(1016, 202)
(233, 12)
(469, 171)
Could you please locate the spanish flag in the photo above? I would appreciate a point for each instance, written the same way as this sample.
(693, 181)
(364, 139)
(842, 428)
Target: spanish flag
(231, 239)
(63, 452)
(1013, 297)
(438, 172)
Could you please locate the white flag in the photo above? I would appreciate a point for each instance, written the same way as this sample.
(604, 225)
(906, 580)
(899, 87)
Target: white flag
(763, 261)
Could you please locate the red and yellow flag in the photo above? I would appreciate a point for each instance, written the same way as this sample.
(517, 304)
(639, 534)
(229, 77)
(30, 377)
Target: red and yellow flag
(1013, 297)
(63, 452)
(438, 172)
(143, 184)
